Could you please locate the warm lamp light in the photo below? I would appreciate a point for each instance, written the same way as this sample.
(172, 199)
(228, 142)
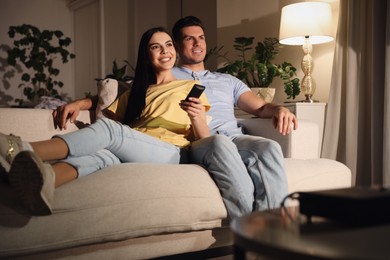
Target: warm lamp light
(305, 24)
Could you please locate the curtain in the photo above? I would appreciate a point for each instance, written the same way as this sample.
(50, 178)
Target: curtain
(357, 124)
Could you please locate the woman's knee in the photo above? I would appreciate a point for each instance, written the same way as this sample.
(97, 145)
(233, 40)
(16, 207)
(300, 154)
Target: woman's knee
(110, 128)
(107, 123)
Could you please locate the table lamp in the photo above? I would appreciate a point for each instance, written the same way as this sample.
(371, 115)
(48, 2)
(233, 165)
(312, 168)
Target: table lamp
(305, 24)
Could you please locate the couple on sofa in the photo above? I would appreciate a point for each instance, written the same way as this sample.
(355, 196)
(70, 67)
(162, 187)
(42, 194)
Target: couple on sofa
(160, 126)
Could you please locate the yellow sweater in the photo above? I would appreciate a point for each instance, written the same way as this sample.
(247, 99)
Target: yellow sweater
(162, 116)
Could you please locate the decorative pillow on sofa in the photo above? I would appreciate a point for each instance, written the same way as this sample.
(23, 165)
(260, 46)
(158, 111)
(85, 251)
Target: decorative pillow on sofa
(113, 96)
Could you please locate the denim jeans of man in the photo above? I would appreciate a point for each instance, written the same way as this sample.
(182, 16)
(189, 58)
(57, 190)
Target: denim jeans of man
(248, 170)
(107, 142)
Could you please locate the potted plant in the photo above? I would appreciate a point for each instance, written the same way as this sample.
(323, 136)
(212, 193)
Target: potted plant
(119, 73)
(258, 70)
(37, 51)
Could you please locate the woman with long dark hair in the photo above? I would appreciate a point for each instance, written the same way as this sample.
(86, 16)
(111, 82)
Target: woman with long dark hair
(163, 125)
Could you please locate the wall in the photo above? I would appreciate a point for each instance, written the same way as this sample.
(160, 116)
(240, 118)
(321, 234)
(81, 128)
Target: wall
(144, 15)
(166, 13)
(110, 30)
(101, 28)
(45, 14)
(87, 38)
(261, 18)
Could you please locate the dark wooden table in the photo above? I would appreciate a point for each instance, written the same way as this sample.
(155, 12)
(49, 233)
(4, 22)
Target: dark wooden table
(285, 234)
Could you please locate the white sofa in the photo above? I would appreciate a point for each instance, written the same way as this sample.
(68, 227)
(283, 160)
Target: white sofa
(139, 211)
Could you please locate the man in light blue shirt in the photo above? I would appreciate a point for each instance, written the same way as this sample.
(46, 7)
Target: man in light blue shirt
(223, 92)
(248, 170)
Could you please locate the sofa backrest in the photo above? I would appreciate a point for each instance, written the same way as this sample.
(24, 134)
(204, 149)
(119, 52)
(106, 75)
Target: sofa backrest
(37, 124)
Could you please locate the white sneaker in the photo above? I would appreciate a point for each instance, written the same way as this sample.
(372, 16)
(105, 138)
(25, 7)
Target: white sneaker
(10, 145)
(34, 181)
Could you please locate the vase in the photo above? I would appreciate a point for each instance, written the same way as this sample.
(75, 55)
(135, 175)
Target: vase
(266, 93)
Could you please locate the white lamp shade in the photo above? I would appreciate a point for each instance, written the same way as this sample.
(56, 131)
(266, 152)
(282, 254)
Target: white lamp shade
(306, 19)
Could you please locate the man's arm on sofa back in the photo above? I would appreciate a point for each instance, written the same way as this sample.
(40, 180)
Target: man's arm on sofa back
(303, 143)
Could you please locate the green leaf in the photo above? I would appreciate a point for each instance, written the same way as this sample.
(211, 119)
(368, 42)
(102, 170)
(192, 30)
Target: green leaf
(47, 35)
(29, 93)
(26, 77)
(11, 59)
(40, 77)
(11, 32)
(58, 34)
(55, 72)
(49, 86)
(65, 42)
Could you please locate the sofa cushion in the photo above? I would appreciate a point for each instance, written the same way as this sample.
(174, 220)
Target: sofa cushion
(119, 202)
(113, 96)
(316, 174)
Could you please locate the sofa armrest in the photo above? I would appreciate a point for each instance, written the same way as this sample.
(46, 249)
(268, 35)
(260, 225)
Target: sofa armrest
(303, 143)
(37, 124)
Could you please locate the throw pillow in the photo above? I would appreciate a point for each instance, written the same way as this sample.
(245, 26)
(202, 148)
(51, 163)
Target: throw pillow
(113, 96)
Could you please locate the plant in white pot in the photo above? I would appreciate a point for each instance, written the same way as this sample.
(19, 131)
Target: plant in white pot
(258, 69)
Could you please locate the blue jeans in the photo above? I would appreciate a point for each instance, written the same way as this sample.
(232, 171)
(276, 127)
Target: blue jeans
(107, 142)
(248, 170)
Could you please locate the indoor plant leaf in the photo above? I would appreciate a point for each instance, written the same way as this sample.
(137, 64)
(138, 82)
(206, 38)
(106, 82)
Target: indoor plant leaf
(258, 69)
(36, 50)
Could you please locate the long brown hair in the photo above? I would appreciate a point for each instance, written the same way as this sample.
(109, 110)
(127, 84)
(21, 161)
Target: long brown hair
(143, 78)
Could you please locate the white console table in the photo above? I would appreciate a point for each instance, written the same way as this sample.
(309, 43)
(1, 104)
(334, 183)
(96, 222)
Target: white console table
(314, 112)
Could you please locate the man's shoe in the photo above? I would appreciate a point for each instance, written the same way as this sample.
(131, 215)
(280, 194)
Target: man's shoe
(10, 145)
(34, 181)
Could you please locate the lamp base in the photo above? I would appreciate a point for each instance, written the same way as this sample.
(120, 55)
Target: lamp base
(309, 99)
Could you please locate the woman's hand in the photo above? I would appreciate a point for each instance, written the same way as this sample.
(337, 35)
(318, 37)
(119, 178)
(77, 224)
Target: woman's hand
(197, 114)
(70, 112)
(63, 113)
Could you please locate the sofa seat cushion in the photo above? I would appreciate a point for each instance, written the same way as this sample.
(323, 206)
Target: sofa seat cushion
(116, 203)
(316, 174)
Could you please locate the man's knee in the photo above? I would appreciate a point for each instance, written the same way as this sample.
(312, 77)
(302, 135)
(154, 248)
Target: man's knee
(221, 143)
(267, 146)
(274, 146)
(214, 142)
